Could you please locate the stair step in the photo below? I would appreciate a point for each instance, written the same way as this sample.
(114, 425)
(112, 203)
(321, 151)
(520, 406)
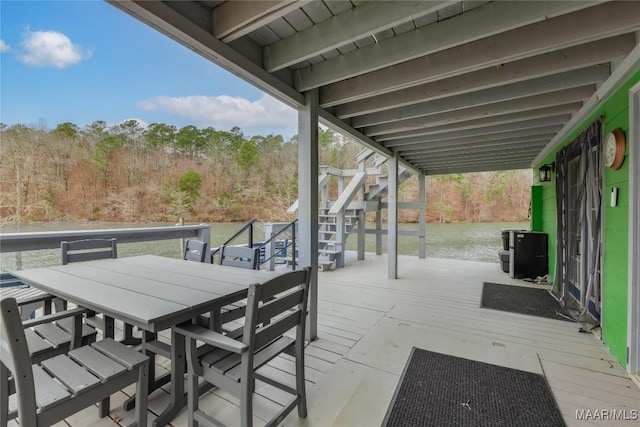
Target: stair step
(333, 242)
(329, 251)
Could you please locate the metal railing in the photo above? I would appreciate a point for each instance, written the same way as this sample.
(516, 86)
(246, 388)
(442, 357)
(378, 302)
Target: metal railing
(292, 245)
(32, 241)
(247, 227)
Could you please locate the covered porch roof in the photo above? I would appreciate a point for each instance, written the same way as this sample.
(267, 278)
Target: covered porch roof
(450, 86)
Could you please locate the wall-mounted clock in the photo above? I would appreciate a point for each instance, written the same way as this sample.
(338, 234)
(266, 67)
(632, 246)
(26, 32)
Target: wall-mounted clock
(614, 148)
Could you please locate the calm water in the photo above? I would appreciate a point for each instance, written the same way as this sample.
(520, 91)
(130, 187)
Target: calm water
(467, 241)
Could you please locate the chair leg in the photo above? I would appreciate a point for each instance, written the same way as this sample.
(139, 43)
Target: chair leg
(192, 398)
(300, 383)
(246, 402)
(128, 338)
(142, 392)
(59, 304)
(4, 395)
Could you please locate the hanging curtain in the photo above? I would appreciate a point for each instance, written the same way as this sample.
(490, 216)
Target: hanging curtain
(579, 213)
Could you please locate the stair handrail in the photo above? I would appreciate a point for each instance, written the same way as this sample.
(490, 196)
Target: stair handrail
(349, 193)
(322, 182)
(292, 244)
(248, 225)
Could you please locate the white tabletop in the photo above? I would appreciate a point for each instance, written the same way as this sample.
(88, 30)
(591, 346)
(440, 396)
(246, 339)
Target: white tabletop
(147, 291)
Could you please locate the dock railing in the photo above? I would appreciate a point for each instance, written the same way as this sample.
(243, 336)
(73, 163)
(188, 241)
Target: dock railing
(32, 241)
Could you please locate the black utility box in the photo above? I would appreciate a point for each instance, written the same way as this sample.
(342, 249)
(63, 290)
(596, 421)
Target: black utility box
(506, 232)
(504, 259)
(529, 255)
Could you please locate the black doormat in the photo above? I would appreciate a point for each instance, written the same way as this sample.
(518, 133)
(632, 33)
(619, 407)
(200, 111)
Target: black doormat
(522, 300)
(447, 391)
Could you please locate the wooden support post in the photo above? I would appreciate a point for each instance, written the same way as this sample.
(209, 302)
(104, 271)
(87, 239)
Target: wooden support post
(422, 245)
(379, 229)
(308, 201)
(362, 217)
(392, 218)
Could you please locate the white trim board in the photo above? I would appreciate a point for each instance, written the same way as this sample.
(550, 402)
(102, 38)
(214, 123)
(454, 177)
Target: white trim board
(623, 72)
(633, 325)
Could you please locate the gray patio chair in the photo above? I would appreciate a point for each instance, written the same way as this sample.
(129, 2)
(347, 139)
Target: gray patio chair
(29, 299)
(55, 388)
(46, 338)
(232, 256)
(90, 250)
(230, 361)
(195, 250)
(240, 256)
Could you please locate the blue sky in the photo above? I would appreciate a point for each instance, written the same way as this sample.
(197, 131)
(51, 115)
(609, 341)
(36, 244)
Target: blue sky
(82, 61)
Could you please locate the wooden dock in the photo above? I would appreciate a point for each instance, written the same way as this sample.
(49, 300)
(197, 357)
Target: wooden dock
(368, 325)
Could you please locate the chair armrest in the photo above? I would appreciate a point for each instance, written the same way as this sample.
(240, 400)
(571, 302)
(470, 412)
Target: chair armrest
(33, 299)
(55, 316)
(210, 337)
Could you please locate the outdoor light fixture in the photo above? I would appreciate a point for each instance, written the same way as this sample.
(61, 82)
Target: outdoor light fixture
(544, 174)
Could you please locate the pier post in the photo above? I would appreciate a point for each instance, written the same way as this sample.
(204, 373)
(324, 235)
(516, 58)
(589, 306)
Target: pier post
(422, 245)
(392, 218)
(308, 201)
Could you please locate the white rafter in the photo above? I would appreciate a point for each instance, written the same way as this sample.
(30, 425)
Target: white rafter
(536, 39)
(487, 20)
(585, 77)
(421, 141)
(585, 55)
(497, 109)
(454, 134)
(234, 19)
(354, 24)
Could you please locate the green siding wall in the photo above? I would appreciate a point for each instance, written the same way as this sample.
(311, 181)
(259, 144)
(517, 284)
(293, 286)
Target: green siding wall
(615, 111)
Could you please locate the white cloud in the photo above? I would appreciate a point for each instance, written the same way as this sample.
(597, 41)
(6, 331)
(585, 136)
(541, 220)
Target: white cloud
(51, 49)
(223, 112)
(4, 47)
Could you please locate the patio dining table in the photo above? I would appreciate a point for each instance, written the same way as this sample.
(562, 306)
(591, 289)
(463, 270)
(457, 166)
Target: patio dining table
(151, 292)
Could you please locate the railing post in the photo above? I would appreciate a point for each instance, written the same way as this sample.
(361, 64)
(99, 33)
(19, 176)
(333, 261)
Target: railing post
(204, 235)
(293, 247)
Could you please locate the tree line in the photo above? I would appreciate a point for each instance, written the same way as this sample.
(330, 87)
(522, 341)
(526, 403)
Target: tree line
(129, 173)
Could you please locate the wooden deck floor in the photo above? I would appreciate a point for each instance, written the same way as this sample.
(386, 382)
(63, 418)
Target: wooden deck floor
(368, 325)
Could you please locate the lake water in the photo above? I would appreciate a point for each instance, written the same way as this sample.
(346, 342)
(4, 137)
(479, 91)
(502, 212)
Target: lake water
(466, 241)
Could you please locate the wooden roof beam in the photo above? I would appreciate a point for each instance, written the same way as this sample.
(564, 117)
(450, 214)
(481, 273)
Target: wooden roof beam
(497, 110)
(407, 104)
(547, 36)
(486, 20)
(354, 24)
(501, 128)
(234, 19)
(418, 142)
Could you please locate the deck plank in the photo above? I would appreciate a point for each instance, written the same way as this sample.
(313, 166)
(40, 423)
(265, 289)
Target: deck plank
(368, 325)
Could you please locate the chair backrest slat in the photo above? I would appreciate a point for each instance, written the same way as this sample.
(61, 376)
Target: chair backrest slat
(240, 256)
(266, 334)
(279, 296)
(70, 254)
(279, 305)
(282, 283)
(195, 250)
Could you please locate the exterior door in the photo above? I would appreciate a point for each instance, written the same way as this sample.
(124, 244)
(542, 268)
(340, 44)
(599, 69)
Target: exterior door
(580, 213)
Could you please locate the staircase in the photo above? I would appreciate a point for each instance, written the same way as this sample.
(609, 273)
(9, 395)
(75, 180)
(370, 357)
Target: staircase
(333, 232)
(338, 219)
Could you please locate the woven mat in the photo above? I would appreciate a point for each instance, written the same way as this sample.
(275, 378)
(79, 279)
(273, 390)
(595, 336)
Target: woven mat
(441, 390)
(519, 299)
